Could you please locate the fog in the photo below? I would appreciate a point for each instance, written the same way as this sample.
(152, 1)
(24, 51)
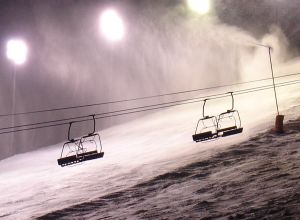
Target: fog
(165, 49)
(141, 150)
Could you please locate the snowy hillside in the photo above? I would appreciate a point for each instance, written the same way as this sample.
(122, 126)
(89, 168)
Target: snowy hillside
(256, 179)
(152, 167)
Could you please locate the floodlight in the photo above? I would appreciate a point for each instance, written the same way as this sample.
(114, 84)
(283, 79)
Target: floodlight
(199, 6)
(111, 25)
(16, 50)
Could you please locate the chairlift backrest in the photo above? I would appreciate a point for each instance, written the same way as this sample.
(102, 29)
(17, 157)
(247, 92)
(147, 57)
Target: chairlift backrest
(229, 122)
(91, 133)
(208, 130)
(212, 119)
(205, 117)
(234, 113)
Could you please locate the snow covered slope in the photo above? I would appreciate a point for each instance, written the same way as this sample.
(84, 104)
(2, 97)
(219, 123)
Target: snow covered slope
(144, 153)
(256, 179)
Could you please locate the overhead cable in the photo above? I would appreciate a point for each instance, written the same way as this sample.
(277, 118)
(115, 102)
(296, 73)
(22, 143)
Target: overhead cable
(104, 115)
(141, 98)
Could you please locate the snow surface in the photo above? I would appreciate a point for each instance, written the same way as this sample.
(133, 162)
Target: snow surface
(257, 179)
(152, 167)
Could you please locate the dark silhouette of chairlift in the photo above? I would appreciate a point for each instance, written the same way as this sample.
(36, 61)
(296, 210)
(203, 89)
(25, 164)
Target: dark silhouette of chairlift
(229, 122)
(81, 149)
(207, 126)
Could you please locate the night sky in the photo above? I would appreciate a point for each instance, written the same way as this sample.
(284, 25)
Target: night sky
(70, 64)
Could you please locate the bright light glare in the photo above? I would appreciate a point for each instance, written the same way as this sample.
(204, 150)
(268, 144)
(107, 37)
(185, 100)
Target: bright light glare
(199, 6)
(16, 50)
(112, 25)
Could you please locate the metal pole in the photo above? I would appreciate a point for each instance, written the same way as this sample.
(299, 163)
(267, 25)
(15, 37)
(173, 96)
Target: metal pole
(13, 108)
(271, 65)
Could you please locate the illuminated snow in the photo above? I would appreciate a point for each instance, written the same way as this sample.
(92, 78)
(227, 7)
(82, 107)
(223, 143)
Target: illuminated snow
(33, 184)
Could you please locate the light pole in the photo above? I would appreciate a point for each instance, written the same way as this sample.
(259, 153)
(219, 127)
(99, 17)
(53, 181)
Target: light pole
(16, 51)
(112, 28)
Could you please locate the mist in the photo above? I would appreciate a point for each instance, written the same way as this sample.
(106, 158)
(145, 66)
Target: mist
(151, 168)
(163, 51)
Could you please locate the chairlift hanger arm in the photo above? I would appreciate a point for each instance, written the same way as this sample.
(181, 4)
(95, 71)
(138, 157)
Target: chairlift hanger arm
(203, 108)
(232, 100)
(94, 126)
(69, 131)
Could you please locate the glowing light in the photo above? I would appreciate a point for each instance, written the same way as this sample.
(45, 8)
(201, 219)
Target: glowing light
(199, 6)
(111, 25)
(16, 50)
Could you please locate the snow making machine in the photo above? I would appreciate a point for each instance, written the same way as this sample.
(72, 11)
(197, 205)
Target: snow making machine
(229, 122)
(206, 128)
(76, 150)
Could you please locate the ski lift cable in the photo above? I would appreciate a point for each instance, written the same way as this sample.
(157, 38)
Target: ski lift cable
(153, 108)
(101, 117)
(142, 98)
(163, 105)
(111, 112)
(129, 109)
(242, 92)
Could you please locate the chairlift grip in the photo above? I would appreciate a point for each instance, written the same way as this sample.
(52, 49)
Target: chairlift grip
(69, 131)
(232, 102)
(204, 107)
(94, 127)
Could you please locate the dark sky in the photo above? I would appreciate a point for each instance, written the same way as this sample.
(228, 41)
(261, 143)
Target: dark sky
(69, 64)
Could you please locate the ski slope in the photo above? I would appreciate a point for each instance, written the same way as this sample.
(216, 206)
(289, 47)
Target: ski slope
(32, 184)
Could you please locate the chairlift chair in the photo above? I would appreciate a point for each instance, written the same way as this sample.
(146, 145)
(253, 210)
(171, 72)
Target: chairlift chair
(81, 149)
(206, 128)
(229, 122)
(92, 141)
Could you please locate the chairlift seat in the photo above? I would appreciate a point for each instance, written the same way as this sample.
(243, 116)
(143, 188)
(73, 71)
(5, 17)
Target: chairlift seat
(232, 132)
(93, 156)
(204, 136)
(65, 161)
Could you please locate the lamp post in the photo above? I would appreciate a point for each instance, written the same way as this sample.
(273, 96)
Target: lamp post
(112, 28)
(16, 51)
